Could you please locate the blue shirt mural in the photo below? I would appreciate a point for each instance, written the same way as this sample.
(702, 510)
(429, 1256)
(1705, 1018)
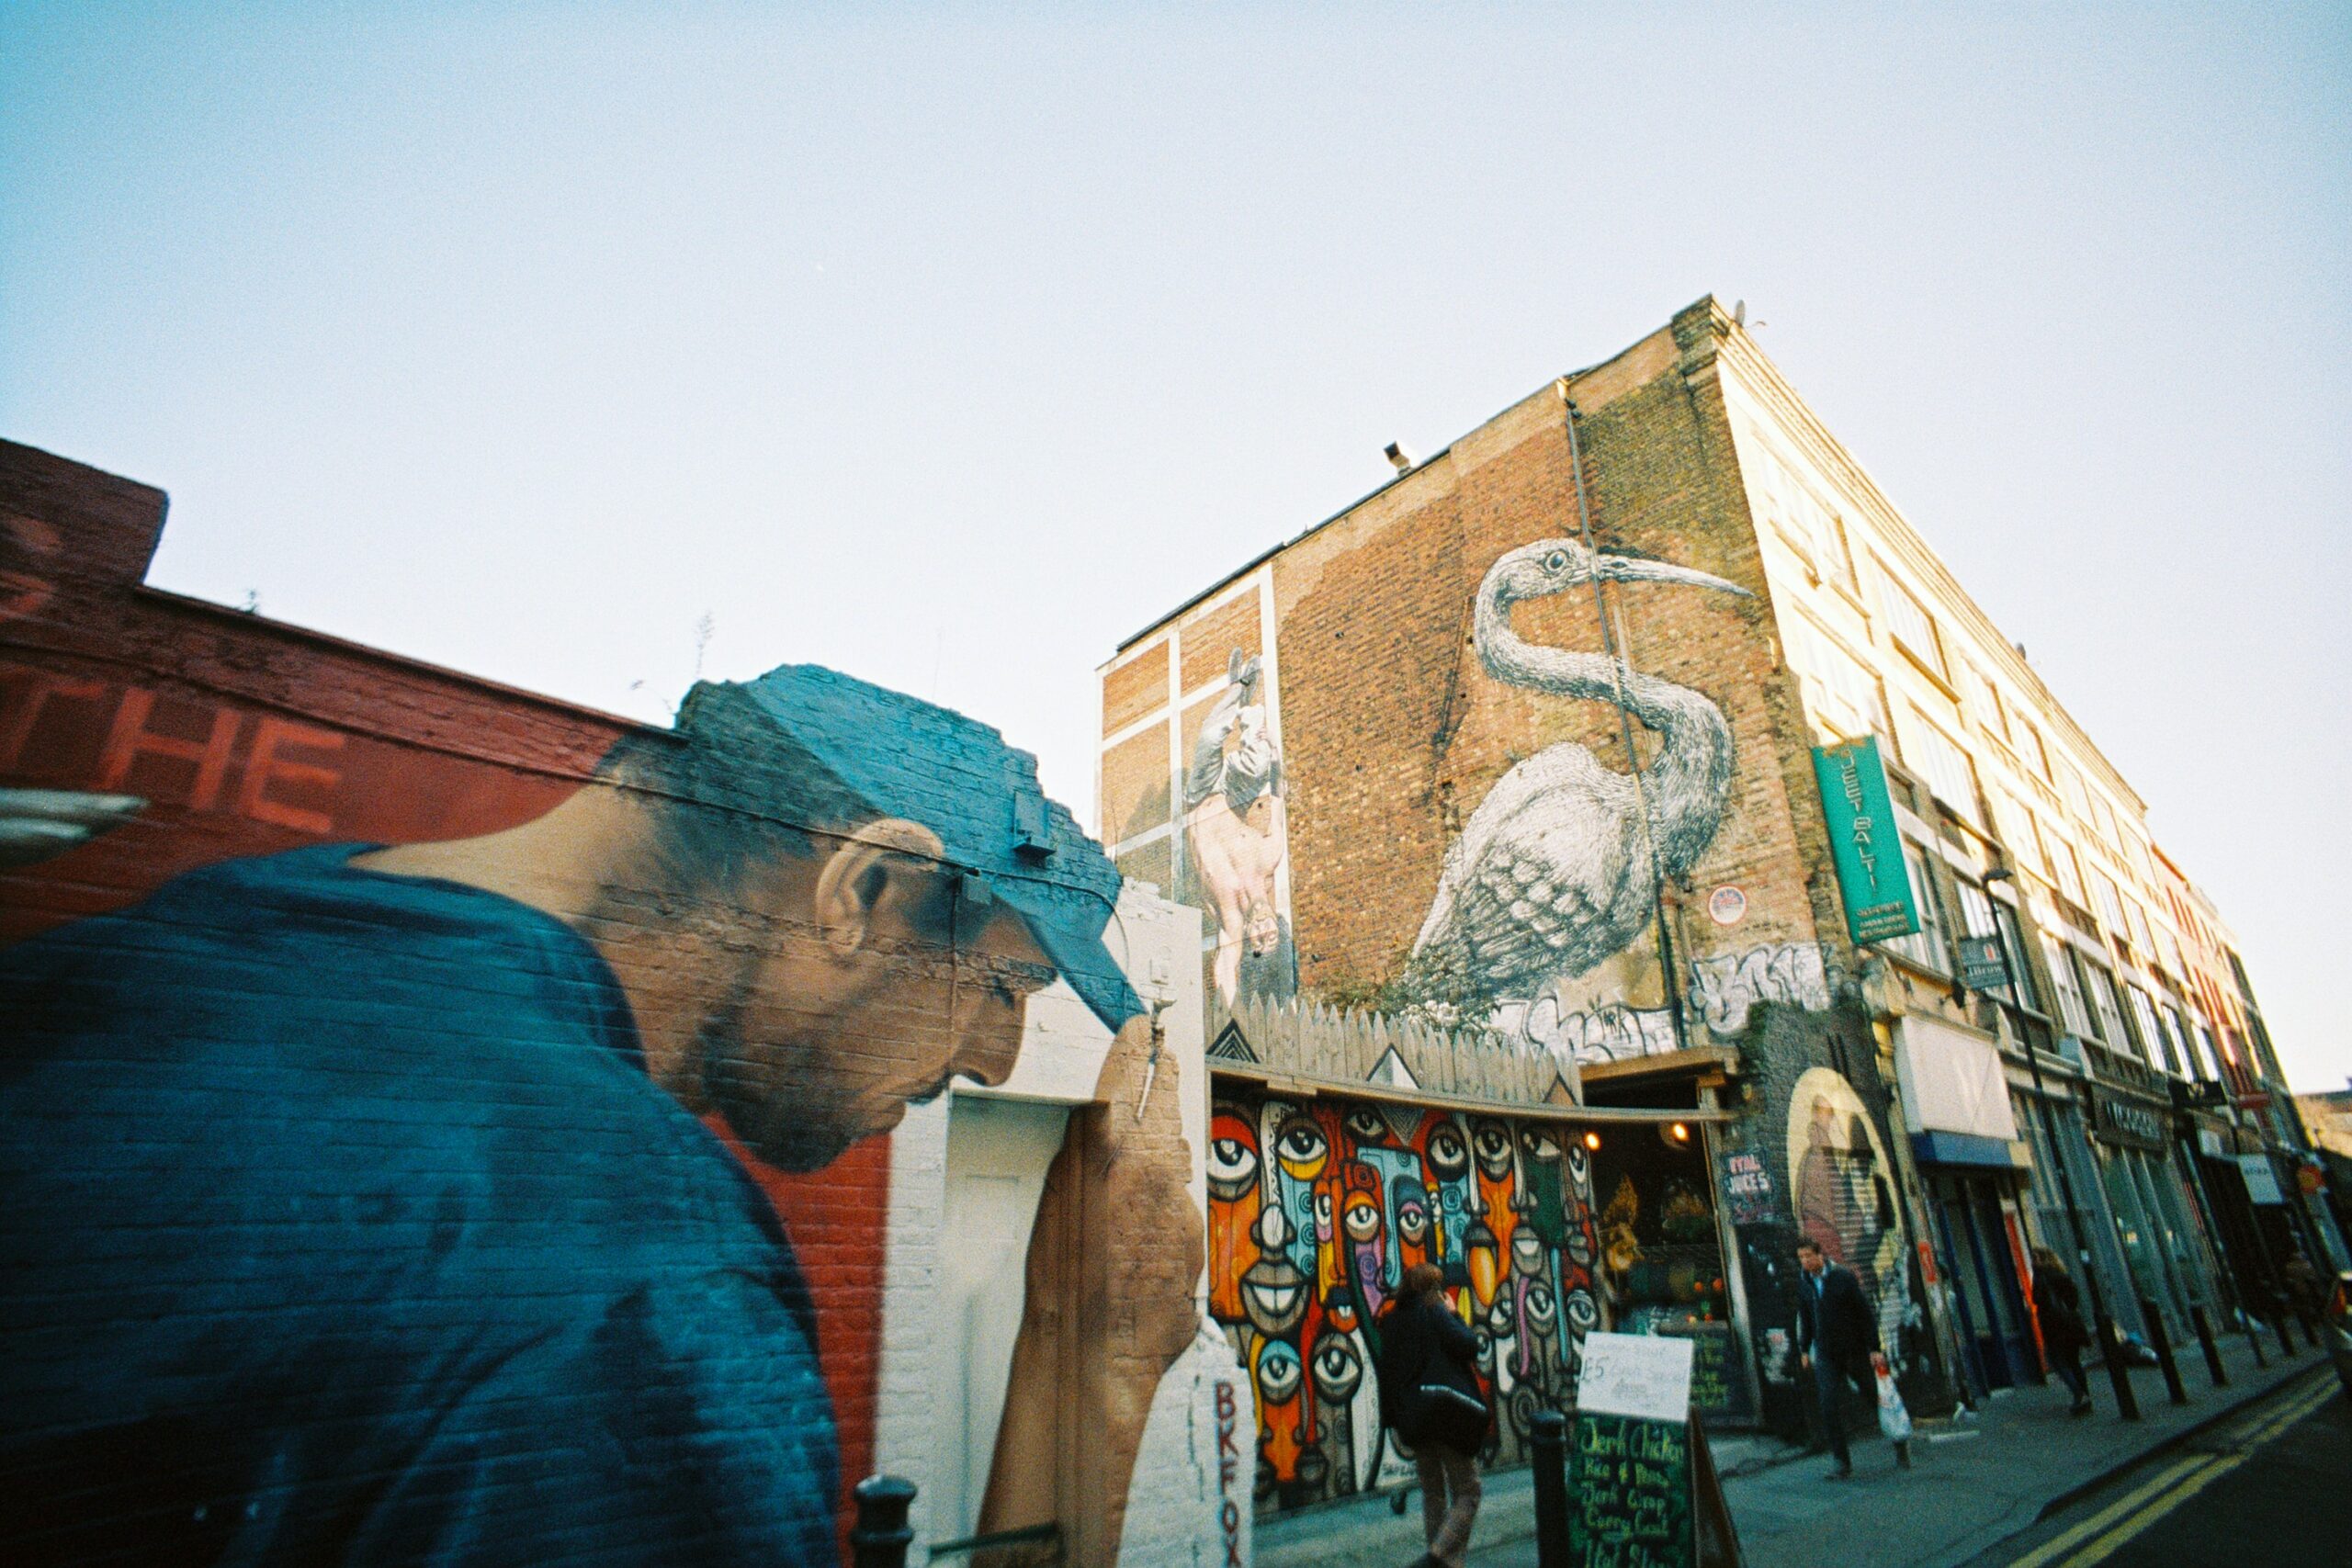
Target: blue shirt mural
(341, 1221)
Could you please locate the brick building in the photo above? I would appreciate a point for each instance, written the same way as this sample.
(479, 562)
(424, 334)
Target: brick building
(1531, 740)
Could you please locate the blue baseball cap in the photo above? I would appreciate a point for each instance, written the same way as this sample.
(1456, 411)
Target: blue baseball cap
(900, 756)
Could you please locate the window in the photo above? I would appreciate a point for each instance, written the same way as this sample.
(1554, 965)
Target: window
(2205, 1048)
(2029, 741)
(2105, 1007)
(1944, 765)
(1790, 501)
(2154, 1041)
(1839, 694)
(2141, 935)
(1984, 703)
(1931, 947)
(1912, 626)
(2063, 980)
(2104, 900)
(1975, 909)
(2069, 879)
(2070, 786)
(2014, 827)
(2176, 1032)
(2103, 815)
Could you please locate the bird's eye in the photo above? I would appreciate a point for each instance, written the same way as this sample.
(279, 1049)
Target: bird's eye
(1557, 561)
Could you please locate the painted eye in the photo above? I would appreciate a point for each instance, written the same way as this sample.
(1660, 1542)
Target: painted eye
(1485, 1357)
(1557, 561)
(1233, 1167)
(1300, 1143)
(1539, 1146)
(1581, 1311)
(1363, 1219)
(1412, 1222)
(1278, 1373)
(1323, 1214)
(1541, 1308)
(1448, 1156)
(1493, 1148)
(1337, 1369)
(1366, 1127)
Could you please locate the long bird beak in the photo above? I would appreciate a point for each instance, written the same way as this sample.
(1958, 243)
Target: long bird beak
(1633, 569)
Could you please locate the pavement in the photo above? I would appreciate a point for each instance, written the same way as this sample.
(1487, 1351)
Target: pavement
(1976, 1481)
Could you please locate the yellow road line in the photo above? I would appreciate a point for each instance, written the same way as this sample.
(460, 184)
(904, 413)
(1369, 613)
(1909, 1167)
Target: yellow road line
(2177, 1474)
(2201, 1474)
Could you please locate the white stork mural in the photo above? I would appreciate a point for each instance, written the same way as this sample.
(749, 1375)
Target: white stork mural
(1554, 873)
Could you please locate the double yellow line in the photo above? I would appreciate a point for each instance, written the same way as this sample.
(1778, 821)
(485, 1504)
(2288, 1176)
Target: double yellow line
(2095, 1539)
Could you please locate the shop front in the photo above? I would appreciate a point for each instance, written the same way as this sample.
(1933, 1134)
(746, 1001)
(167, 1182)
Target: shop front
(2162, 1248)
(1662, 1257)
(1964, 1140)
(2056, 1138)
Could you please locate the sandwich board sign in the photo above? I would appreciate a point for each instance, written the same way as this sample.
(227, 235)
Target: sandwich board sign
(1642, 1488)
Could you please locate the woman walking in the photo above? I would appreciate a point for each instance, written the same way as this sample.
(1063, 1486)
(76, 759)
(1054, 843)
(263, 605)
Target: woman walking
(2058, 1305)
(1429, 1397)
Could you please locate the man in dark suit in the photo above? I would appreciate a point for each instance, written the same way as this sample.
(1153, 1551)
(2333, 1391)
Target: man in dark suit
(1836, 1336)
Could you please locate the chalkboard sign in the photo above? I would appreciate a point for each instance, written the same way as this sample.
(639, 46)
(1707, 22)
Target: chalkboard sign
(1718, 1369)
(1629, 1486)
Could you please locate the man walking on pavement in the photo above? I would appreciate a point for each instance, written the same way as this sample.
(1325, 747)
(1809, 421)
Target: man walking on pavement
(1836, 1337)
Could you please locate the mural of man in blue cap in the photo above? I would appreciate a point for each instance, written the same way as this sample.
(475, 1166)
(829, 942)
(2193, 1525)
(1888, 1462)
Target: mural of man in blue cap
(451, 1269)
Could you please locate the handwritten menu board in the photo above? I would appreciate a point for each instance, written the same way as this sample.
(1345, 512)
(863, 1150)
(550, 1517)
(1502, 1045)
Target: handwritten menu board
(1636, 1375)
(1629, 1486)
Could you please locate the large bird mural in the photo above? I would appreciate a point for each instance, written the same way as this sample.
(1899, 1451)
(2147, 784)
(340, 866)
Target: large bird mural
(1554, 872)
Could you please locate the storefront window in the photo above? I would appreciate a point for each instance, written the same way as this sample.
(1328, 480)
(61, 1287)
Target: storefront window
(1662, 1262)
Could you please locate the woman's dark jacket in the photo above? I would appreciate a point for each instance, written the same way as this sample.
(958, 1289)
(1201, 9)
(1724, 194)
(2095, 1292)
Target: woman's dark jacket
(2059, 1307)
(1425, 1347)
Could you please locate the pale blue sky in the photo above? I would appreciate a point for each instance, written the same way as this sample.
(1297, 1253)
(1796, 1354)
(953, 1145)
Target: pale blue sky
(948, 346)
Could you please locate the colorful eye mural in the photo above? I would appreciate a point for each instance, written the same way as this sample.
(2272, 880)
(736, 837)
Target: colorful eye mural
(1308, 1241)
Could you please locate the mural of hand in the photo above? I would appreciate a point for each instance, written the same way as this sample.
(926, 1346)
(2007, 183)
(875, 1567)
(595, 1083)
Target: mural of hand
(1110, 1306)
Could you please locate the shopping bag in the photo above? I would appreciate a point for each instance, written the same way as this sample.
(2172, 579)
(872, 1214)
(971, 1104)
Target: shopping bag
(1893, 1419)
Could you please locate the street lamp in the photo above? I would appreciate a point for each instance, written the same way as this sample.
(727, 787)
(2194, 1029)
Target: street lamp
(2126, 1400)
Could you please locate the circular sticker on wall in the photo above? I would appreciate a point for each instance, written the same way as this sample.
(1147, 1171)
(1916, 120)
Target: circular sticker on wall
(1725, 904)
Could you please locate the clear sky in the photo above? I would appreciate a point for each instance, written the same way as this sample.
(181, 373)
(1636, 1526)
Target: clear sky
(948, 346)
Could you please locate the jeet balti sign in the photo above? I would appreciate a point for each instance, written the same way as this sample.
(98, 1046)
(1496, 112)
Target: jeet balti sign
(1865, 842)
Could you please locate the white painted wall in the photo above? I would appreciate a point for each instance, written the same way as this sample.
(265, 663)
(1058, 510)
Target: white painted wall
(965, 1173)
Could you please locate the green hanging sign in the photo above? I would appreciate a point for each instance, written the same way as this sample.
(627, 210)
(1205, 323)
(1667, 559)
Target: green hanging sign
(1865, 840)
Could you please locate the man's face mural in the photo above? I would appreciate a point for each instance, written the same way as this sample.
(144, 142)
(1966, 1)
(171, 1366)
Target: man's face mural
(1315, 1212)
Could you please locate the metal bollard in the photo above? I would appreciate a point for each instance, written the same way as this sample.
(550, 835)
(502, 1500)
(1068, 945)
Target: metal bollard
(2127, 1400)
(880, 1537)
(2160, 1337)
(2204, 1326)
(1547, 1442)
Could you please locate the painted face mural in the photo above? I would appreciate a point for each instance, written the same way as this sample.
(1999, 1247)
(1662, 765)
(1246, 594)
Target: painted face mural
(1347, 1197)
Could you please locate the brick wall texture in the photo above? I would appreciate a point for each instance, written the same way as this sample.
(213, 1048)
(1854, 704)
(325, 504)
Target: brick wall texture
(1397, 730)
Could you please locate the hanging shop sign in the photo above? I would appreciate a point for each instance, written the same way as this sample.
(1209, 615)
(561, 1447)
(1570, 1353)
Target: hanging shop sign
(1748, 1189)
(2134, 1124)
(2261, 1181)
(1864, 841)
(1982, 966)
